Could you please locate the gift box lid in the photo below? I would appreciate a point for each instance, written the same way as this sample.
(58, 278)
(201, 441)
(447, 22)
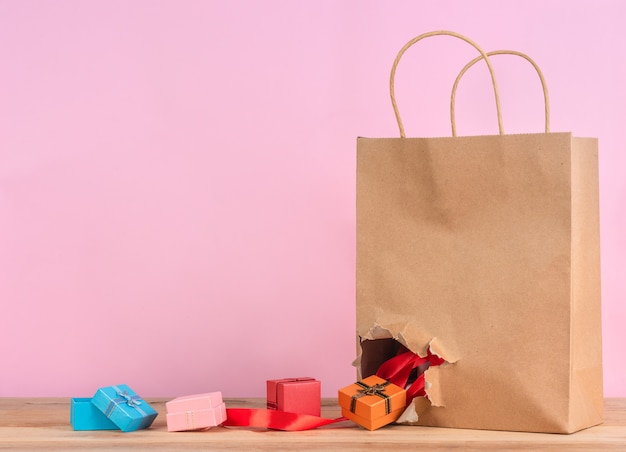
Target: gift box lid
(372, 402)
(85, 416)
(295, 395)
(196, 402)
(124, 407)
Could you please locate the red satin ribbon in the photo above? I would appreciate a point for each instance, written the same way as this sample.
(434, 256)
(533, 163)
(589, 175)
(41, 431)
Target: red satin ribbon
(398, 369)
(277, 420)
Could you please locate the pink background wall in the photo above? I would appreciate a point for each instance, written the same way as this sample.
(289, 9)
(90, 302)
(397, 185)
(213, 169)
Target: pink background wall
(177, 178)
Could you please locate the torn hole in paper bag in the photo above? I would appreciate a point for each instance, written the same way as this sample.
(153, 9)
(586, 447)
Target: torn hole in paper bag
(390, 357)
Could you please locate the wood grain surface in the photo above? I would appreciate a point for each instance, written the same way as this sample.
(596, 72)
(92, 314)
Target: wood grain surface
(43, 424)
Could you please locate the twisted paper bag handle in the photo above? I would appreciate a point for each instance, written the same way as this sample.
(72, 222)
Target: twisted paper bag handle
(440, 33)
(546, 99)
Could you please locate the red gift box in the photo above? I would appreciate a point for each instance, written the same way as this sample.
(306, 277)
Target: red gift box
(295, 395)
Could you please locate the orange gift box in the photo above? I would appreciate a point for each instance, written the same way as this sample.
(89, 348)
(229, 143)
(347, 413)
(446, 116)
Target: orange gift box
(372, 402)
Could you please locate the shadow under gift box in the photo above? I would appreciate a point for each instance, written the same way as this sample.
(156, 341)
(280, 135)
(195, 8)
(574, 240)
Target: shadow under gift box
(124, 408)
(85, 416)
(372, 402)
(295, 395)
(195, 412)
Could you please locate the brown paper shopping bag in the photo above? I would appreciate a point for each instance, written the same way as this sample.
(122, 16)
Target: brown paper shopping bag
(484, 250)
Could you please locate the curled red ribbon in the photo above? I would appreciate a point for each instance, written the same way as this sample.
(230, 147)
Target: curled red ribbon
(277, 420)
(398, 370)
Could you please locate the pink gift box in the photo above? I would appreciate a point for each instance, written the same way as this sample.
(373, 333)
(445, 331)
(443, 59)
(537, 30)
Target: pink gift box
(295, 395)
(195, 412)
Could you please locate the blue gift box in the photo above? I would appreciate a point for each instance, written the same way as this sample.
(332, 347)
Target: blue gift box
(85, 416)
(124, 407)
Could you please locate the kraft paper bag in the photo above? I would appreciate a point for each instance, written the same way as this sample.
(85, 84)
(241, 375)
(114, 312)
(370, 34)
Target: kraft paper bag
(484, 251)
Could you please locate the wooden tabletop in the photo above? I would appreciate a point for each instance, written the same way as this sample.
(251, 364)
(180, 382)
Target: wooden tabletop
(43, 424)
